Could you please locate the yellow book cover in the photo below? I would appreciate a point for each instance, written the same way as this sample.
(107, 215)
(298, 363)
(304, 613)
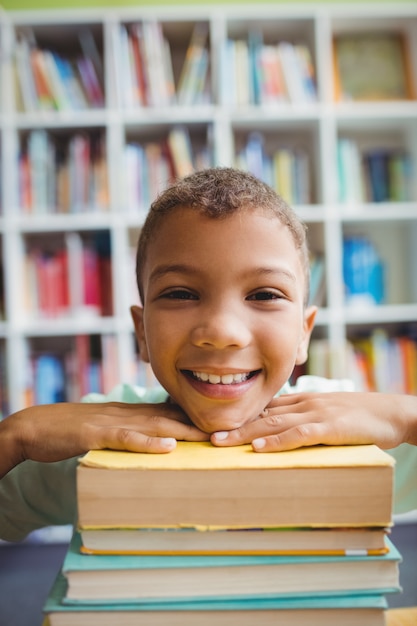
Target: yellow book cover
(205, 456)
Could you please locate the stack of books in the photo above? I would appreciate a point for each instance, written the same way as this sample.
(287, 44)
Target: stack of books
(227, 534)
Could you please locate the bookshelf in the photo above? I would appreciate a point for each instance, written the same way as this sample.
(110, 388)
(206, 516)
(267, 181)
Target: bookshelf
(81, 187)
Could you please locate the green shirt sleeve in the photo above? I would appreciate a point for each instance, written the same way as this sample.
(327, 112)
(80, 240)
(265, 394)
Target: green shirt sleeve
(405, 492)
(34, 495)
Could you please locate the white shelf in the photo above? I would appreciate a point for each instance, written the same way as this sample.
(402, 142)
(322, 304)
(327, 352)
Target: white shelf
(315, 126)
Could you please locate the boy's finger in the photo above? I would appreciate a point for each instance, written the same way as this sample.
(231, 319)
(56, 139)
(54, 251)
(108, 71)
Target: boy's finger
(160, 435)
(132, 441)
(302, 435)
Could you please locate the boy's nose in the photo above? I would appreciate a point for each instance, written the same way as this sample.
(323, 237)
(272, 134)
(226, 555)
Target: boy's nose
(220, 329)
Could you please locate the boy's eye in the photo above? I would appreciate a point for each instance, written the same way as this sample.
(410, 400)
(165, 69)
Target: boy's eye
(179, 294)
(265, 295)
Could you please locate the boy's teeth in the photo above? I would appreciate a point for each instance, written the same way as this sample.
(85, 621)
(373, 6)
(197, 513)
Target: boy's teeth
(215, 379)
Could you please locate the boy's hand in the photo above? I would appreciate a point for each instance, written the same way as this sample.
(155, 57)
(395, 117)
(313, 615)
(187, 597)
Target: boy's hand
(54, 432)
(338, 418)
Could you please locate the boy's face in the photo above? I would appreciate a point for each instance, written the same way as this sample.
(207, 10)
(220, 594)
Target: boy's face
(223, 322)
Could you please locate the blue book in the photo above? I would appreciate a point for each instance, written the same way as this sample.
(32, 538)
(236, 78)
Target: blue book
(255, 43)
(255, 154)
(133, 578)
(363, 271)
(377, 166)
(49, 379)
(366, 610)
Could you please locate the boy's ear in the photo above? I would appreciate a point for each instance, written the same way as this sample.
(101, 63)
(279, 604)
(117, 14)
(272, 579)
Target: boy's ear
(137, 317)
(309, 319)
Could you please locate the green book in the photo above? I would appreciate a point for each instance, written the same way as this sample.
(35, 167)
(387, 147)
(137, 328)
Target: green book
(132, 578)
(366, 610)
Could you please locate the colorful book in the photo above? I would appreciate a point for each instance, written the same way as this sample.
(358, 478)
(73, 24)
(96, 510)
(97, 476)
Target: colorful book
(192, 80)
(366, 610)
(181, 151)
(90, 82)
(213, 540)
(199, 484)
(46, 99)
(127, 578)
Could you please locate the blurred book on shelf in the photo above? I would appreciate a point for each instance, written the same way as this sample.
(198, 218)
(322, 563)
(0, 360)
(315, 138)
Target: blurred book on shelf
(374, 362)
(372, 66)
(70, 369)
(285, 168)
(192, 83)
(73, 277)
(317, 294)
(142, 67)
(363, 272)
(63, 174)
(150, 166)
(258, 73)
(379, 174)
(50, 81)
(386, 364)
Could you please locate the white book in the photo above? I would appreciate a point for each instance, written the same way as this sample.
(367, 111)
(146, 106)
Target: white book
(306, 66)
(126, 70)
(291, 72)
(38, 161)
(227, 73)
(243, 95)
(74, 247)
(24, 76)
(156, 61)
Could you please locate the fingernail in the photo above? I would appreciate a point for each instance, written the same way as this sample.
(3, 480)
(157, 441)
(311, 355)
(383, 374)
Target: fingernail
(221, 435)
(168, 442)
(258, 444)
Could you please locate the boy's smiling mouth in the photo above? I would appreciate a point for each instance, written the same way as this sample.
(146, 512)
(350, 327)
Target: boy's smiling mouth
(226, 387)
(221, 379)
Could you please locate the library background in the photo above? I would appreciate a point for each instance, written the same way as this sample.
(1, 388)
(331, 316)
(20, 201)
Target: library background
(100, 107)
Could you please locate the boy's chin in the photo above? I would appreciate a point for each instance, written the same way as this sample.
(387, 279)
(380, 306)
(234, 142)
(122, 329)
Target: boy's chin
(221, 422)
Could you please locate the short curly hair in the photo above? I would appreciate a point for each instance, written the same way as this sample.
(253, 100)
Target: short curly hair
(217, 193)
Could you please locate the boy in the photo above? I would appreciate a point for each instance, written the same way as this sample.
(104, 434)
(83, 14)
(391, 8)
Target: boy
(222, 270)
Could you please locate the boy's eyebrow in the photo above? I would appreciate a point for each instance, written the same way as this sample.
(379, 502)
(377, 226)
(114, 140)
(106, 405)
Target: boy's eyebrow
(276, 270)
(181, 268)
(172, 268)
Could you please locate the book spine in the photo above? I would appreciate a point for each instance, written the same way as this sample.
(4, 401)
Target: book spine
(388, 364)
(24, 75)
(63, 176)
(90, 82)
(60, 95)
(377, 171)
(363, 272)
(49, 379)
(273, 89)
(191, 83)
(179, 143)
